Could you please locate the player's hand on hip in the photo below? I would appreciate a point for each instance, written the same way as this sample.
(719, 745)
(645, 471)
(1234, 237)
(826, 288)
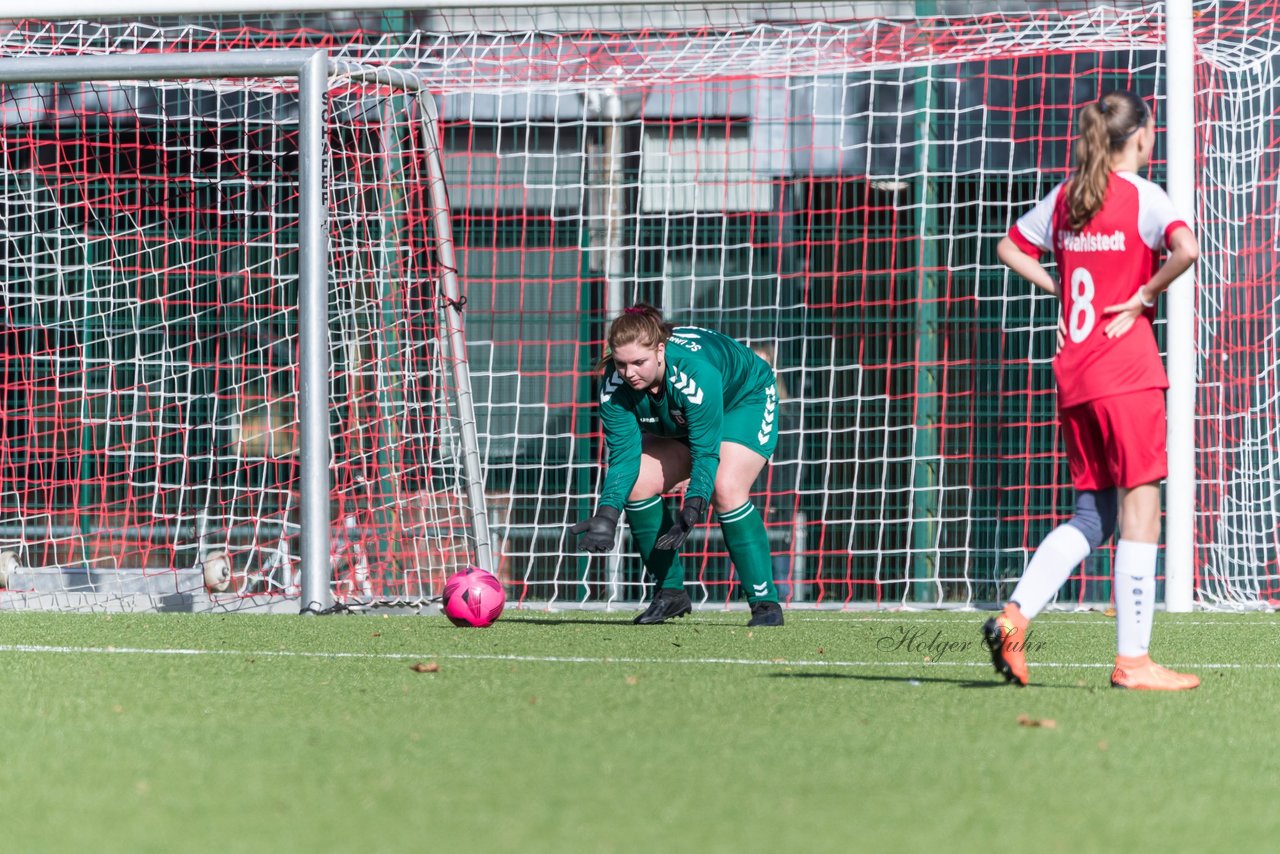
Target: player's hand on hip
(693, 512)
(598, 530)
(1125, 315)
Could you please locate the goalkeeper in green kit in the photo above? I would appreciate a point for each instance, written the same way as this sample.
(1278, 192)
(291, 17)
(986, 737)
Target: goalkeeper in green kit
(683, 403)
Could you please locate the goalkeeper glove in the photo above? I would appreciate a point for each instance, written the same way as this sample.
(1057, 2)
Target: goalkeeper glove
(693, 512)
(599, 530)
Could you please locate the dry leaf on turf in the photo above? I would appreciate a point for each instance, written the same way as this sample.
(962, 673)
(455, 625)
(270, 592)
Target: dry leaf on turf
(1042, 723)
(429, 667)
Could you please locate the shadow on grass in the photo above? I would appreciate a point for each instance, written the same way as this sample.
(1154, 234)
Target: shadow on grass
(549, 620)
(613, 621)
(913, 681)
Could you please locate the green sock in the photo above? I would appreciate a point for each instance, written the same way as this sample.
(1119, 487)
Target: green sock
(647, 518)
(748, 545)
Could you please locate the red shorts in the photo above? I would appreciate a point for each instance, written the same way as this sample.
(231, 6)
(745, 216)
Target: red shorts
(1116, 441)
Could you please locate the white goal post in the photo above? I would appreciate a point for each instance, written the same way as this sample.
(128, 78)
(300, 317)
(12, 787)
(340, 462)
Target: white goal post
(1180, 512)
(312, 70)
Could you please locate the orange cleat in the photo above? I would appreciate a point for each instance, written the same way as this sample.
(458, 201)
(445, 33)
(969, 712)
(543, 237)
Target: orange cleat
(1140, 673)
(1006, 637)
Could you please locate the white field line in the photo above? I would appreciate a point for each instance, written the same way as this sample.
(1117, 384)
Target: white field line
(1060, 619)
(559, 659)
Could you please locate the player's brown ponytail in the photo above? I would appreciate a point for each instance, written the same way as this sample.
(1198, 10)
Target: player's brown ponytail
(639, 324)
(1105, 127)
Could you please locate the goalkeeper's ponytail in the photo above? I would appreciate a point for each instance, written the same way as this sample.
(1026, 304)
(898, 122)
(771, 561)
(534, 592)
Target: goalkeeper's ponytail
(1105, 127)
(639, 324)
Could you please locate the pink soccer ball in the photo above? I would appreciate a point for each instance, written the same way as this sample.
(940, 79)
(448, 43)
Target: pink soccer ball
(473, 597)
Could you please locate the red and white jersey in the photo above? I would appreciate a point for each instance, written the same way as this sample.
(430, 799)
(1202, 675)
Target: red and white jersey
(1102, 265)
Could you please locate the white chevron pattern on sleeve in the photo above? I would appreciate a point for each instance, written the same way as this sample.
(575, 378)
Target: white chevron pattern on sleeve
(766, 424)
(611, 384)
(686, 384)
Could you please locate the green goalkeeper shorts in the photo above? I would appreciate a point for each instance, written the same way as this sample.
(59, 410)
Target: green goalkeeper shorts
(753, 423)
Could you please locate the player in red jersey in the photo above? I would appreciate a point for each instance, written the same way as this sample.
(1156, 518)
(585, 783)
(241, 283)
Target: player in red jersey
(1107, 229)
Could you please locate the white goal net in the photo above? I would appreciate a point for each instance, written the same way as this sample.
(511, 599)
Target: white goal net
(824, 181)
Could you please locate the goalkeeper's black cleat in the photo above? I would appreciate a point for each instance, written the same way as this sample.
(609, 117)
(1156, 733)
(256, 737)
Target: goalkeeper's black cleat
(666, 605)
(765, 614)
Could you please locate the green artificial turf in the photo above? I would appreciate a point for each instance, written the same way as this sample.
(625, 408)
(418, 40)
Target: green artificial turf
(571, 731)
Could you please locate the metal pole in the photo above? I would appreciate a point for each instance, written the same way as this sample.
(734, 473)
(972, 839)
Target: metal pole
(153, 66)
(1180, 515)
(614, 260)
(456, 339)
(926, 465)
(313, 335)
(443, 226)
(614, 270)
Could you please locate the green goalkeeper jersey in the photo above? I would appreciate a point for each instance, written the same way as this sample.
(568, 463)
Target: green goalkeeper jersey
(707, 375)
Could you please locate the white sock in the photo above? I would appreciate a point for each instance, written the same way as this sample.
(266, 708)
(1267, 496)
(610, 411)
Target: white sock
(1059, 553)
(1135, 594)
